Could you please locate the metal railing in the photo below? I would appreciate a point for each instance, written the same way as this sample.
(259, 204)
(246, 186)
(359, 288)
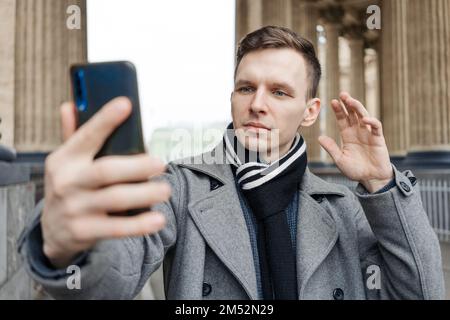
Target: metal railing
(435, 194)
(434, 186)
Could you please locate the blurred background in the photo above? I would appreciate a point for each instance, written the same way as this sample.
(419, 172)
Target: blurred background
(393, 55)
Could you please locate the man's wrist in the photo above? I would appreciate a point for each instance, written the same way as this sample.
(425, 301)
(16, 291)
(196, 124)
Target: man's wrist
(39, 262)
(61, 262)
(374, 185)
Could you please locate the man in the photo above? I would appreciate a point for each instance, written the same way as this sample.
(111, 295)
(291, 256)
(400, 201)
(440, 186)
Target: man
(253, 224)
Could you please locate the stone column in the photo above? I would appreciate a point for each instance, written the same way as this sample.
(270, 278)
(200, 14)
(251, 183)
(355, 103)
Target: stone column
(248, 17)
(332, 25)
(355, 42)
(372, 71)
(277, 13)
(428, 39)
(305, 18)
(39, 81)
(394, 75)
(254, 15)
(372, 82)
(7, 53)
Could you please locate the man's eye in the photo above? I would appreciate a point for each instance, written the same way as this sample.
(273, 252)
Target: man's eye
(279, 93)
(245, 90)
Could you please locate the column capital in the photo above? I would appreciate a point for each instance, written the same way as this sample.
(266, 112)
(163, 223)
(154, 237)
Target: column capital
(331, 15)
(353, 32)
(359, 33)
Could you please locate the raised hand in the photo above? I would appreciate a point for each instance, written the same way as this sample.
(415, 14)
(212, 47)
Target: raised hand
(363, 155)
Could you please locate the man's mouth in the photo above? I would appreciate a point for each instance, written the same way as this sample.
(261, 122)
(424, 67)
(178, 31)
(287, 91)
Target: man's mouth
(256, 126)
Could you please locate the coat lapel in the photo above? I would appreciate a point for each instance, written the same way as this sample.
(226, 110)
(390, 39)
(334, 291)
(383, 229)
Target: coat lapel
(316, 228)
(219, 217)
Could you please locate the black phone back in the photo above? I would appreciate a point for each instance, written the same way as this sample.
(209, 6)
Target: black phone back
(94, 85)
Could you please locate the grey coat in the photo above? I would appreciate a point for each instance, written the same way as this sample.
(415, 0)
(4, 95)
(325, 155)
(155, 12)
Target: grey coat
(349, 245)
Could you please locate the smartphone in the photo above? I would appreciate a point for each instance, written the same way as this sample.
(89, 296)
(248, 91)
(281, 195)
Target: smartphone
(94, 85)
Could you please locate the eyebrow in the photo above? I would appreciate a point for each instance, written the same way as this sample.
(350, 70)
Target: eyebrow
(284, 85)
(243, 82)
(279, 84)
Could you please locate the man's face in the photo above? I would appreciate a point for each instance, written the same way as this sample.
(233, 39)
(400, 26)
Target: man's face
(270, 93)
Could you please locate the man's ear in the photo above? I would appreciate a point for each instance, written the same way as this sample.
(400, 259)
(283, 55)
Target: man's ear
(311, 112)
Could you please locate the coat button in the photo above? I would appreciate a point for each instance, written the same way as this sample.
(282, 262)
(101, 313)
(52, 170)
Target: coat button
(405, 186)
(338, 294)
(206, 289)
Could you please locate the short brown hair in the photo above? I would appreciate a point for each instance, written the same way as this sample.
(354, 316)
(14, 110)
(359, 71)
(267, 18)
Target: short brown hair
(280, 37)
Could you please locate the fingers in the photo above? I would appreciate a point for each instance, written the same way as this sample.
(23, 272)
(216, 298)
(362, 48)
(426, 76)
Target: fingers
(341, 114)
(331, 147)
(354, 111)
(120, 169)
(375, 125)
(123, 197)
(68, 120)
(353, 105)
(104, 227)
(89, 138)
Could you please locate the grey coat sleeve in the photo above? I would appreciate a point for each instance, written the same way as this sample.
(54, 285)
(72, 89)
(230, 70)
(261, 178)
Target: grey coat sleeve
(112, 269)
(399, 251)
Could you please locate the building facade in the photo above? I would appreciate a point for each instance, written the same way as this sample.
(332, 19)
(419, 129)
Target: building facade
(393, 55)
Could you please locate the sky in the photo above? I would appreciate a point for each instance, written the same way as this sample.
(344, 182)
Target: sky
(183, 52)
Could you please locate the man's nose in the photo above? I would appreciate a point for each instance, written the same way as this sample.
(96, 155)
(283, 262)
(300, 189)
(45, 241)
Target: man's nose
(259, 103)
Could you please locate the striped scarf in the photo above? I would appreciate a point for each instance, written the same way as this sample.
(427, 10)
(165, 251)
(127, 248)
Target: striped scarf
(268, 189)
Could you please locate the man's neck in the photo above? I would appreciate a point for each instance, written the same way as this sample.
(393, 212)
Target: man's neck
(270, 156)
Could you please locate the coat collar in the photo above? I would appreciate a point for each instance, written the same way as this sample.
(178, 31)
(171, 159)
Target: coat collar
(219, 218)
(219, 169)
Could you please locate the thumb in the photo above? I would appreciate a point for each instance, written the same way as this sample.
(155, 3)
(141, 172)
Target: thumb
(68, 120)
(331, 147)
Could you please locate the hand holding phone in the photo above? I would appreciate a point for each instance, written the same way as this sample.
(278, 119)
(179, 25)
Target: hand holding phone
(93, 85)
(82, 189)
